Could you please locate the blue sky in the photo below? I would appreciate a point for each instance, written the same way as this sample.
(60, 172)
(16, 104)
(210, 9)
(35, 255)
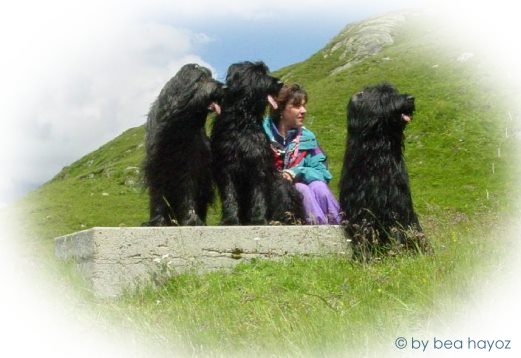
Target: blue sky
(278, 43)
(75, 74)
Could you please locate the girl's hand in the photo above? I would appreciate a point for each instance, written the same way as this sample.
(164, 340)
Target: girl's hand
(287, 176)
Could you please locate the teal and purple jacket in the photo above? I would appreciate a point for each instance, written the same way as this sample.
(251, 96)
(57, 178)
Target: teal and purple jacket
(298, 154)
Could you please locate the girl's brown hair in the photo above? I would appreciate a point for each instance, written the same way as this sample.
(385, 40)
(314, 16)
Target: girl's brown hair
(293, 94)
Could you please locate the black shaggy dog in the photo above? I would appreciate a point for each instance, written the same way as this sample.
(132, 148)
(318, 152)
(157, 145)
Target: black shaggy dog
(374, 185)
(251, 190)
(177, 167)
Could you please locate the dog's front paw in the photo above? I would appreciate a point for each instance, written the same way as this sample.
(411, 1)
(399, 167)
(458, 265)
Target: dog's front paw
(259, 221)
(230, 221)
(192, 219)
(157, 220)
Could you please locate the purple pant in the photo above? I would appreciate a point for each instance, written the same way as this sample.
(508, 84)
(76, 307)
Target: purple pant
(320, 204)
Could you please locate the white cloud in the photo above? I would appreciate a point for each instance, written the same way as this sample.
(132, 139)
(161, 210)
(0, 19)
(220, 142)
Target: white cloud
(75, 76)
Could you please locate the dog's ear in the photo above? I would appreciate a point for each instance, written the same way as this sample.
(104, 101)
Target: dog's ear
(261, 67)
(235, 77)
(233, 73)
(184, 89)
(242, 69)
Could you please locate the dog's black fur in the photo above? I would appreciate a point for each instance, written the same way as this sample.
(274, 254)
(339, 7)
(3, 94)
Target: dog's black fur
(374, 185)
(177, 166)
(251, 190)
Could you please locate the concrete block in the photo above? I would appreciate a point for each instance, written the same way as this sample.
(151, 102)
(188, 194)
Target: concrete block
(115, 260)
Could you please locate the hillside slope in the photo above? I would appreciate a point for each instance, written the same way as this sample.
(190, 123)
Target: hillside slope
(460, 154)
(459, 158)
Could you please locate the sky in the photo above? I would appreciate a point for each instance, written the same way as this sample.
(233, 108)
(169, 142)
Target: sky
(75, 74)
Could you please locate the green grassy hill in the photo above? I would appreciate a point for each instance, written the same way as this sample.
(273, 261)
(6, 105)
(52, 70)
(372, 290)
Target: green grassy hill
(451, 145)
(460, 155)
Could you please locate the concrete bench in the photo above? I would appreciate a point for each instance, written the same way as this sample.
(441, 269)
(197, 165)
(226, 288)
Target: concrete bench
(114, 260)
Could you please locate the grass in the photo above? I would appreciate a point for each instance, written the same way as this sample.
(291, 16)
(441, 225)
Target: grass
(464, 191)
(313, 306)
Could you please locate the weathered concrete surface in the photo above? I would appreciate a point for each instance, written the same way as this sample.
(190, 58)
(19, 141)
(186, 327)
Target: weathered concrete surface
(117, 259)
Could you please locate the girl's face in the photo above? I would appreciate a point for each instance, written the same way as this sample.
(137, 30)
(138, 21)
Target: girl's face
(293, 115)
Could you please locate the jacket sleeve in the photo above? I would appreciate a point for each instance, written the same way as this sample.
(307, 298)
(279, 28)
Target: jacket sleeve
(313, 167)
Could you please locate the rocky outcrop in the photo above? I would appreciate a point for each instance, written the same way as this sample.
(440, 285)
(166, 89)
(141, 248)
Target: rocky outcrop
(363, 39)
